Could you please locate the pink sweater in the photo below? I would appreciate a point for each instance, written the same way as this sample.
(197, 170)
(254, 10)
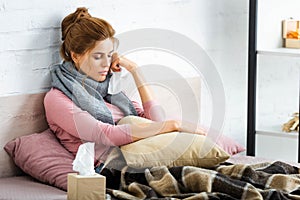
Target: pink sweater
(74, 126)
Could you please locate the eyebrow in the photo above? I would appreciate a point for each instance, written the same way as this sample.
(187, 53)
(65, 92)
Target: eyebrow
(98, 52)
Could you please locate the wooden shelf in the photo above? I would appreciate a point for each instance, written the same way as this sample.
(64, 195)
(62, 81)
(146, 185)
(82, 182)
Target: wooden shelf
(280, 52)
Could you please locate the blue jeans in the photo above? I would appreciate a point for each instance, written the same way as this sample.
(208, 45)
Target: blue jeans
(99, 168)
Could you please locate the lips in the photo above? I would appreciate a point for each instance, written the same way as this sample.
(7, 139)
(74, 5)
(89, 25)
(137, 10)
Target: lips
(103, 73)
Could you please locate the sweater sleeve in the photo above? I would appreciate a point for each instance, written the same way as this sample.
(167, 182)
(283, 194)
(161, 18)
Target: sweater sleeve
(62, 112)
(150, 110)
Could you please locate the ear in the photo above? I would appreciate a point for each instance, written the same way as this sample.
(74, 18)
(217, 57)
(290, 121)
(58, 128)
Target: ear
(75, 57)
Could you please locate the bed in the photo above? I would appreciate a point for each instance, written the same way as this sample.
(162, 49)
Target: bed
(259, 180)
(27, 139)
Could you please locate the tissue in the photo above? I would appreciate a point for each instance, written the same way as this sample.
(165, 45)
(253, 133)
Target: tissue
(84, 160)
(114, 85)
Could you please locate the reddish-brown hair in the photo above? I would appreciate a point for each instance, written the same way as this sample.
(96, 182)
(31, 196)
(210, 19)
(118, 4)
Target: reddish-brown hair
(81, 31)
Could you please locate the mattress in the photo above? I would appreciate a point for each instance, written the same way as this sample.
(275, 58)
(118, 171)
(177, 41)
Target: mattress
(26, 188)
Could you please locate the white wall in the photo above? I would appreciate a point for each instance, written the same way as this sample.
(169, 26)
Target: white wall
(30, 38)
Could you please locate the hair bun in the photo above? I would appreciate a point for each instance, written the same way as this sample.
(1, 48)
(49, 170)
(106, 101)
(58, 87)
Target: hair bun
(72, 18)
(81, 13)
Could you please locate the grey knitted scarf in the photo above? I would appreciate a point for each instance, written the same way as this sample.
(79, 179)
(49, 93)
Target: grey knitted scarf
(89, 94)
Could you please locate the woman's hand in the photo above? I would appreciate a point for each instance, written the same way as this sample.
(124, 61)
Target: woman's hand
(188, 127)
(118, 61)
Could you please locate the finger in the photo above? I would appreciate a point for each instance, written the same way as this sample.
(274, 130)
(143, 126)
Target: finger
(115, 62)
(201, 132)
(117, 70)
(115, 65)
(115, 56)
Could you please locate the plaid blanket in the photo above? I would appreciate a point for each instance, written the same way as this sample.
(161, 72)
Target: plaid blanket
(272, 181)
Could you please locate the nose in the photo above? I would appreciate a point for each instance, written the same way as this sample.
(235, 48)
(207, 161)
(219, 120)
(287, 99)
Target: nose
(106, 61)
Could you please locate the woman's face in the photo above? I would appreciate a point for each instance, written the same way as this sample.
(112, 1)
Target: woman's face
(96, 62)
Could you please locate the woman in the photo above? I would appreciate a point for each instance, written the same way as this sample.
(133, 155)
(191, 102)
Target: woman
(78, 107)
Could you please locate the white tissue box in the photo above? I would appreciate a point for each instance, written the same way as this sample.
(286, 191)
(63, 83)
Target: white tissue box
(86, 187)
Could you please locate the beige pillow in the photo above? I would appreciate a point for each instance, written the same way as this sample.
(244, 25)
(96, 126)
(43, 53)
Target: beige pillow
(172, 149)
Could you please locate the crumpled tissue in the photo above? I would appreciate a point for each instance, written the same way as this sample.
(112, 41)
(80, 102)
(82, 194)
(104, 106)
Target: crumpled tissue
(84, 160)
(114, 85)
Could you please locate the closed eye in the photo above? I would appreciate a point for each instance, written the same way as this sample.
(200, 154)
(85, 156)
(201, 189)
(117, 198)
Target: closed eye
(97, 57)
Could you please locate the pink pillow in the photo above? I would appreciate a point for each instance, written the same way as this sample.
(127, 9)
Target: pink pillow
(229, 145)
(42, 156)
